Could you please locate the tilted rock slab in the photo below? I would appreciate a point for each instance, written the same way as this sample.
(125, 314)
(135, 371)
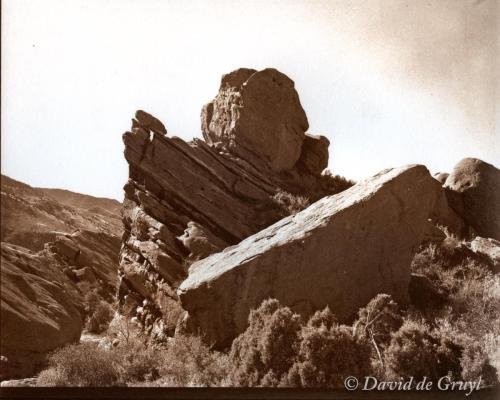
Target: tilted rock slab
(341, 252)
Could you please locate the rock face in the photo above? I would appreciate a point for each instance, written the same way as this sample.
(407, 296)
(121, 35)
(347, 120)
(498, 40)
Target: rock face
(341, 251)
(41, 310)
(185, 201)
(56, 247)
(257, 114)
(473, 191)
(314, 157)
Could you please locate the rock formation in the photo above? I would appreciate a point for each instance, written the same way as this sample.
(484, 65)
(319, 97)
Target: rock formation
(341, 251)
(185, 201)
(473, 191)
(56, 247)
(257, 114)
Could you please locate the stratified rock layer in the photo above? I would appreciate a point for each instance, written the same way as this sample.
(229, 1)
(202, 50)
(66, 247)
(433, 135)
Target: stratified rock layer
(473, 191)
(185, 201)
(341, 252)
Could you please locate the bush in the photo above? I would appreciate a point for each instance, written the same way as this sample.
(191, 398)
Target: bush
(328, 354)
(81, 365)
(264, 353)
(100, 317)
(187, 361)
(290, 203)
(416, 351)
(476, 363)
(139, 362)
(379, 319)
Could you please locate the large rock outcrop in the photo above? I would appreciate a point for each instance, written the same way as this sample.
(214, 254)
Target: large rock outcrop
(473, 191)
(185, 201)
(257, 114)
(341, 251)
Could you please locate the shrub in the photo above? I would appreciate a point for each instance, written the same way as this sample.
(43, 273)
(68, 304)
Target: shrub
(81, 365)
(475, 304)
(290, 203)
(139, 362)
(328, 353)
(267, 348)
(377, 321)
(476, 363)
(187, 361)
(416, 351)
(100, 317)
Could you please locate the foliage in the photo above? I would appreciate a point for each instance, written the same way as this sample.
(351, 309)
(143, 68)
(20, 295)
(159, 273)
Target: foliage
(99, 318)
(290, 203)
(417, 351)
(82, 364)
(265, 351)
(377, 322)
(188, 361)
(328, 353)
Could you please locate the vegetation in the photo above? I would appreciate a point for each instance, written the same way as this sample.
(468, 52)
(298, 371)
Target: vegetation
(98, 313)
(290, 203)
(458, 338)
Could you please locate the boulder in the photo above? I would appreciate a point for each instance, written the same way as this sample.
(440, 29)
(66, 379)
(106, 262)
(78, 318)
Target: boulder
(473, 191)
(339, 252)
(314, 155)
(257, 114)
(148, 122)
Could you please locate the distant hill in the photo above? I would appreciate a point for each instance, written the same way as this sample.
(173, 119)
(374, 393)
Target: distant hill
(57, 246)
(32, 216)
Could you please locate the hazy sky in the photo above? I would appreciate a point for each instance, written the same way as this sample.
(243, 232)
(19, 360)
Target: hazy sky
(390, 82)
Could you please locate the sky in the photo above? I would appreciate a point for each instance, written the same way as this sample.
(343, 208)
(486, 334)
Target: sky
(389, 82)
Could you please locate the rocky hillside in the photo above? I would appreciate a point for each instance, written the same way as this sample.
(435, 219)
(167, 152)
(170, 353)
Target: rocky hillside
(32, 217)
(57, 246)
(196, 253)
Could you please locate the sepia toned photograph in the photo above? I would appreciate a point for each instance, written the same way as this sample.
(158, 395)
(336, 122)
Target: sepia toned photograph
(250, 199)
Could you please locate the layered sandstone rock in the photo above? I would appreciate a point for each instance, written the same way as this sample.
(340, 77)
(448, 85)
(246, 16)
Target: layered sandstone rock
(185, 201)
(341, 251)
(473, 191)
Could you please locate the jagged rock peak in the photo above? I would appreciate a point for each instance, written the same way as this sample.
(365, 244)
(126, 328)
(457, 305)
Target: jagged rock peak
(257, 114)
